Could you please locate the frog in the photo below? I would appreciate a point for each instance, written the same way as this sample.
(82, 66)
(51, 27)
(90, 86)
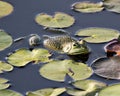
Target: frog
(66, 44)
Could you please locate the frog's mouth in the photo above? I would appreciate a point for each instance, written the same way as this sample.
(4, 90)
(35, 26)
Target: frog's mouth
(78, 51)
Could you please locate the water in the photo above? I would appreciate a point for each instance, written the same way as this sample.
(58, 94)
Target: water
(21, 23)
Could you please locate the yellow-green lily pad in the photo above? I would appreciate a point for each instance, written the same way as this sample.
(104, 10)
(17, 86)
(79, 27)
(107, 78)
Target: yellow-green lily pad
(5, 40)
(112, 90)
(98, 35)
(47, 92)
(5, 67)
(112, 5)
(7, 92)
(57, 70)
(4, 84)
(23, 56)
(86, 87)
(5, 9)
(88, 7)
(59, 20)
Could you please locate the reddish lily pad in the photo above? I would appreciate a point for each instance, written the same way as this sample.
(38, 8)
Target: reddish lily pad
(113, 46)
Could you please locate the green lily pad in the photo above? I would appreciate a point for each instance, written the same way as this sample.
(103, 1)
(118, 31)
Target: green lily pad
(88, 7)
(57, 70)
(4, 84)
(112, 5)
(5, 40)
(60, 20)
(5, 9)
(23, 56)
(112, 90)
(5, 67)
(98, 35)
(7, 92)
(88, 87)
(47, 92)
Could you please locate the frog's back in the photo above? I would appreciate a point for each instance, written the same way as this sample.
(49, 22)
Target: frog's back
(57, 42)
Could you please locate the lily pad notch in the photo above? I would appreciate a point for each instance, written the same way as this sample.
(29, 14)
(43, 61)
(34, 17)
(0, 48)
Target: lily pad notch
(57, 70)
(59, 20)
(98, 35)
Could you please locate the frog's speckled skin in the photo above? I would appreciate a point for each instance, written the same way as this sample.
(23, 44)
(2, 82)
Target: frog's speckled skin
(66, 44)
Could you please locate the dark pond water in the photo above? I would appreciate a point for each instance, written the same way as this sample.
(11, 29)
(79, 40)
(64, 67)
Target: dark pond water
(21, 23)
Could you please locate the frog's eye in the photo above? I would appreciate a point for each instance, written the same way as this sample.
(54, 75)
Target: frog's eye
(75, 44)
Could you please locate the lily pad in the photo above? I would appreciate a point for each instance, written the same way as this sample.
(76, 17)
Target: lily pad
(112, 90)
(23, 56)
(4, 84)
(60, 20)
(107, 67)
(57, 70)
(47, 92)
(113, 46)
(5, 40)
(7, 92)
(5, 9)
(88, 7)
(88, 87)
(112, 5)
(98, 35)
(5, 67)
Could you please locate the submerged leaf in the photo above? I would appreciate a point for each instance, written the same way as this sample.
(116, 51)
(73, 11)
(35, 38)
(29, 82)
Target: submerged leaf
(107, 67)
(47, 92)
(57, 70)
(112, 5)
(60, 20)
(98, 35)
(23, 56)
(3, 83)
(5, 9)
(5, 67)
(112, 90)
(7, 92)
(88, 7)
(5, 40)
(88, 87)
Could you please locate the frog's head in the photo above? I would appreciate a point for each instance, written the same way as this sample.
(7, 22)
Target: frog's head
(78, 48)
